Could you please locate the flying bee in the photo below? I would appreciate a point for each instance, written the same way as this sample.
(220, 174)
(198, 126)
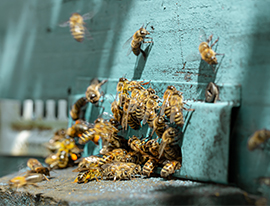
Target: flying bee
(76, 108)
(169, 168)
(137, 40)
(92, 93)
(206, 52)
(89, 174)
(28, 179)
(158, 126)
(258, 138)
(211, 93)
(151, 107)
(78, 128)
(37, 167)
(169, 138)
(77, 28)
(148, 167)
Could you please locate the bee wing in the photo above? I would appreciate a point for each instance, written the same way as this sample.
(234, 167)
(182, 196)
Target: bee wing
(80, 169)
(87, 34)
(202, 36)
(194, 56)
(127, 43)
(88, 15)
(161, 148)
(172, 116)
(64, 24)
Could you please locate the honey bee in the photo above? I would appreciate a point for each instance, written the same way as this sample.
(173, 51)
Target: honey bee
(92, 93)
(206, 51)
(87, 162)
(136, 41)
(67, 152)
(174, 110)
(76, 108)
(151, 107)
(121, 170)
(59, 135)
(158, 126)
(166, 98)
(133, 157)
(148, 167)
(115, 155)
(169, 168)
(153, 147)
(37, 167)
(259, 137)
(211, 93)
(169, 138)
(117, 111)
(122, 85)
(77, 28)
(28, 179)
(78, 128)
(89, 174)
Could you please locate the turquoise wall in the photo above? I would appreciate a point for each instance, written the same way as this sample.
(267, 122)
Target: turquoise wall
(38, 59)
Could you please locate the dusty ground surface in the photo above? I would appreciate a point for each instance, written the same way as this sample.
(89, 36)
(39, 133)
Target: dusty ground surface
(61, 190)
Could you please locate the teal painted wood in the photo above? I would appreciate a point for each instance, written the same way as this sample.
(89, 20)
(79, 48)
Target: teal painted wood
(40, 60)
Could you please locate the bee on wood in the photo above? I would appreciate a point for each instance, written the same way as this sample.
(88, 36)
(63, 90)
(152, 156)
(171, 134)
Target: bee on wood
(77, 28)
(149, 166)
(29, 179)
(89, 174)
(37, 167)
(169, 138)
(93, 91)
(151, 108)
(137, 40)
(121, 170)
(206, 52)
(258, 138)
(87, 162)
(166, 98)
(153, 147)
(169, 168)
(158, 126)
(211, 93)
(76, 108)
(117, 111)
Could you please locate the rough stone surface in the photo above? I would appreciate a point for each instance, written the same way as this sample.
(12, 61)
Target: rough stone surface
(61, 190)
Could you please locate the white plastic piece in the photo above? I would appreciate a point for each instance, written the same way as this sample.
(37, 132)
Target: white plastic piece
(28, 109)
(39, 109)
(50, 110)
(62, 110)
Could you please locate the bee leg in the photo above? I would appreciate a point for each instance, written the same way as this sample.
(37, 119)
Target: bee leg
(213, 68)
(214, 42)
(219, 54)
(210, 38)
(46, 177)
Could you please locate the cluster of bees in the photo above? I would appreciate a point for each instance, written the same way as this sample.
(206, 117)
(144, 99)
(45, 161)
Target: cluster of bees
(133, 107)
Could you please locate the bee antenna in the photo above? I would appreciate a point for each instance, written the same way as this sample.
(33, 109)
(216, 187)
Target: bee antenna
(147, 24)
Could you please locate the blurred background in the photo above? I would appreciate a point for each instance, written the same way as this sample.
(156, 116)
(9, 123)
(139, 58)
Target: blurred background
(40, 60)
